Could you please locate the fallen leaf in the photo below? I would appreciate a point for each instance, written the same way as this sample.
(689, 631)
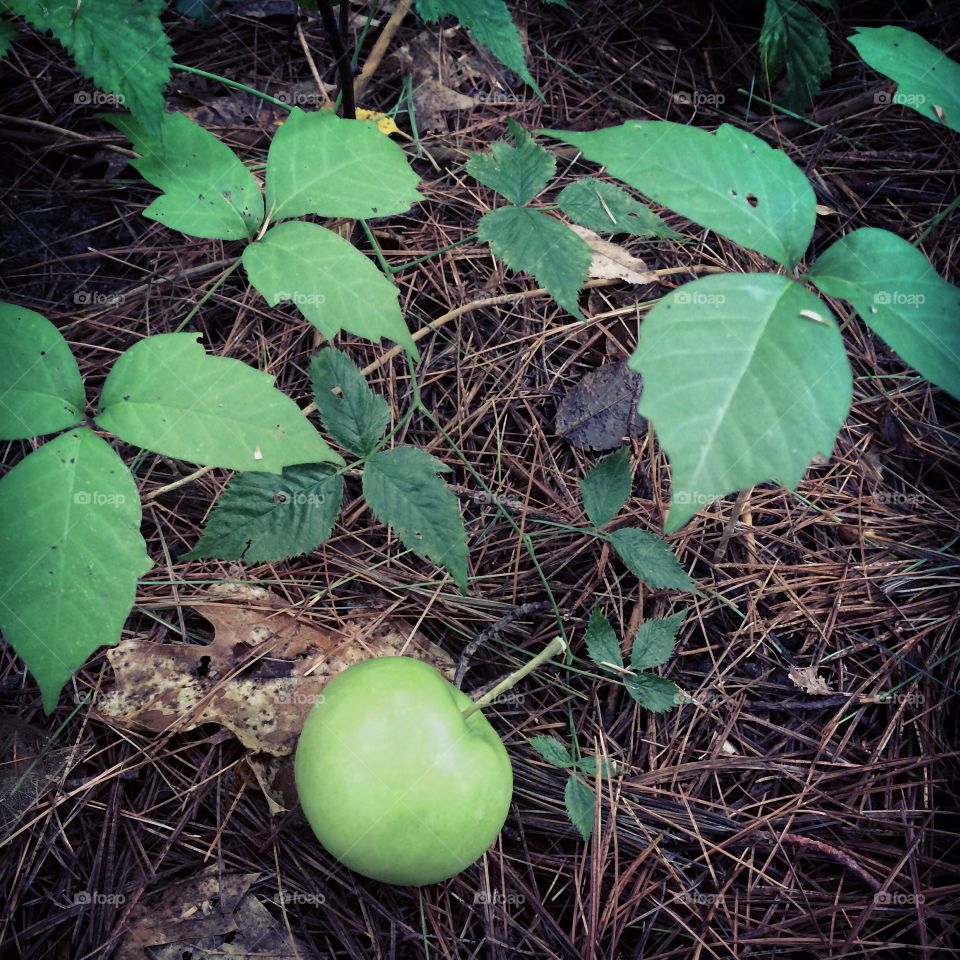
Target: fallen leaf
(611, 261)
(432, 99)
(600, 411)
(810, 681)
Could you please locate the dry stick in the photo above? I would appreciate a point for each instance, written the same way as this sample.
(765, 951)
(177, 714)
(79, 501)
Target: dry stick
(39, 124)
(321, 86)
(380, 47)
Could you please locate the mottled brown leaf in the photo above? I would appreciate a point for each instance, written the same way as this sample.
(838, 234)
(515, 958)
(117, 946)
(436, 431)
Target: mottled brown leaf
(600, 411)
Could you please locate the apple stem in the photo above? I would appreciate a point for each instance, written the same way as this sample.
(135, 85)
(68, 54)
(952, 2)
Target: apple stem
(555, 646)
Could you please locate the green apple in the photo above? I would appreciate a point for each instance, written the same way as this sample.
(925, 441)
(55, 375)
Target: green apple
(395, 782)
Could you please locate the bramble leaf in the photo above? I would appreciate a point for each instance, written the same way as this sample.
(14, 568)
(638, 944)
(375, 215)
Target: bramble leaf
(40, 386)
(581, 802)
(8, 31)
(70, 555)
(167, 395)
(654, 641)
(655, 693)
(607, 208)
(603, 646)
(552, 750)
(606, 487)
(518, 173)
(651, 559)
(792, 35)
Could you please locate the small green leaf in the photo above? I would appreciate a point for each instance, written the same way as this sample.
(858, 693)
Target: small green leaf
(320, 163)
(730, 181)
(581, 803)
(40, 386)
(262, 517)
(591, 766)
(70, 555)
(402, 489)
(607, 208)
(794, 36)
(167, 395)
(207, 191)
(655, 693)
(518, 173)
(531, 241)
(651, 559)
(552, 750)
(654, 642)
(358, 418)
(606, 487)
(900, 297)
(603, 647)
(928, 81)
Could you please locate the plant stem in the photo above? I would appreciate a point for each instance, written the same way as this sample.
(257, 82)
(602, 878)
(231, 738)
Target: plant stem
(348, 104)
(232, 83)
(555, 646)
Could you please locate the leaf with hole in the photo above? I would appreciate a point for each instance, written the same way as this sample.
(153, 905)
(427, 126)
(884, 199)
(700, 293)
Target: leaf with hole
(606, 487)
(607, 208)
(518, 173)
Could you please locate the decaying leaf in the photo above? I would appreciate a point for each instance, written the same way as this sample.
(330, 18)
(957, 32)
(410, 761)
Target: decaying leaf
(810, 681)
(258, 678)
(611, 261)
(600, 411)
(432, 99)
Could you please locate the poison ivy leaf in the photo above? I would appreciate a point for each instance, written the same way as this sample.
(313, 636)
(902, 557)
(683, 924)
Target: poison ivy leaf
(928, 81)
(70, 555)
(603, 647)
(552, 750)
(117, 44)
(745, 379)
(607, 208)
(654, 641)
(40, 386)
(518, 173)
(329, 281)
(730, 182)
(490, 24)
(402, 488)
(262, 517)
(358, 418)
(207, 191)
(794, 36)
(606, 487)
(8, 30)
(167, 395)
(655, 693)
(531, 241)
(651, 559)
(320, 163)
(581, 802)
(900, 297)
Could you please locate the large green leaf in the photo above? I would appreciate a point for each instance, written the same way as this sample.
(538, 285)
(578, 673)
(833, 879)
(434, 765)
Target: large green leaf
(900, 297)
(536, 243)
(207, 191)
(70, 555)
(320, 163)
(731, 181)
(402, 488)
(518, 173)
(262, 517)
(118, 44)
(607, 208)
(651, 559)
(490, 24)
(606, 487)
(928, 81)
(329, 281)
(793, 36)
(40, 386)
(745, 379)
(167, 395)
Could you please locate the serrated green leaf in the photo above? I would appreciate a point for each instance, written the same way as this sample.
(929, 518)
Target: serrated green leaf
(607, 208)
(654, 641)
(402, 488)
(654, 692)
(536, 243)
(119, 45)
(591, 766)
(329, 281)
(606, 487)
(730, 182)
(8, 31)
(794, 36)
(490, 24)
(320, 163)
(167, 395)
(70, 555)
(518, 173)
(263, 517)
(581, 802)
(900, 297)
(651, 559)
(745, 378)
(603, 646)
(928, 81)
(40, 386)
(207, 191)
(358, 418)
(552, 750)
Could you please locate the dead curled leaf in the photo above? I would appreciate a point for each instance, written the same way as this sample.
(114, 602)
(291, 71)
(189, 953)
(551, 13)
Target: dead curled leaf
(810, 681)
(259, 677)
(611, 261)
